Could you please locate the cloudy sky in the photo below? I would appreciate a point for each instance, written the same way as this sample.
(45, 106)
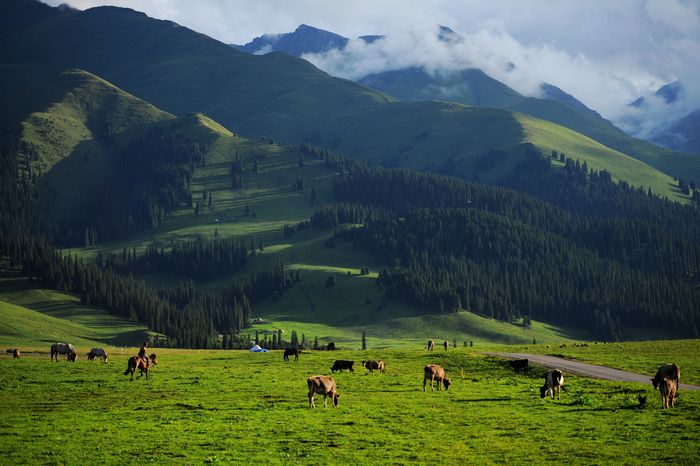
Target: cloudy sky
(606, 53)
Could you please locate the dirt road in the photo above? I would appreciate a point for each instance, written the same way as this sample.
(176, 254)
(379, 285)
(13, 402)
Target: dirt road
(587, 370)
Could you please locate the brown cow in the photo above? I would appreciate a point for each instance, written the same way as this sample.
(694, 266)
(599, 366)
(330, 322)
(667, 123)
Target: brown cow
(668, 389)
(323, 385)
(667, 371)
(434, 372)
(15, 353)
(372, 365)
(431, 345)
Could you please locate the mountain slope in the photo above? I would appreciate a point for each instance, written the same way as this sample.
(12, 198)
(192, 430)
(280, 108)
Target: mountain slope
(423, 135)
(273, 95)
(179, 70)
(66, 112)
(473, 87)
(683, 134)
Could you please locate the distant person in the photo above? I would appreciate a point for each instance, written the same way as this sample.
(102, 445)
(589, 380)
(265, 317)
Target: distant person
(143, 351)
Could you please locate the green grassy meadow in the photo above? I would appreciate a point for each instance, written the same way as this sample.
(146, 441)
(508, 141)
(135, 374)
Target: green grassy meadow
(241, 407)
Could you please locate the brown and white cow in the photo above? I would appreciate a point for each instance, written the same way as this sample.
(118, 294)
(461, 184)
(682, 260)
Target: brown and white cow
(323, 385)
(431, 345)
(668, 388)
(15, 353)
(553, 381)
(434, 372)
(372, 365)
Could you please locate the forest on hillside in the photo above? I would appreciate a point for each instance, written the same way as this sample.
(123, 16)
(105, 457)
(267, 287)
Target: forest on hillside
(581, 249)
(569, 246)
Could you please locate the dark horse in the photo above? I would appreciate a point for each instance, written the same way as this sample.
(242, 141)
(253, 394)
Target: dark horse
(63, 348)
(141, 364)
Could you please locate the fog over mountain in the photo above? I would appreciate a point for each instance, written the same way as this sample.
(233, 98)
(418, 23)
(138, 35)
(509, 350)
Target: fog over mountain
(606, 54)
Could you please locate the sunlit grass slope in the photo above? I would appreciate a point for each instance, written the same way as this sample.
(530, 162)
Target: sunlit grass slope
(425, 134)
(36, 318)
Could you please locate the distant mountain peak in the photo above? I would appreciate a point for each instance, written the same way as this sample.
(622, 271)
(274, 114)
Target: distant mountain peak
(669, 92)
(304, 39)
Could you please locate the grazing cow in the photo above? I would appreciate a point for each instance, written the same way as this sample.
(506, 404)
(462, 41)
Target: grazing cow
(520, 364)
(431, 345)
(97, 353)
(434, 372)
(323, 385)
(667, 371)
(445, 344)
(291, 352)
(63, 348)
(142, 364)
(330, 346)
(341, 364)
(668, 388)
(372, 365)
(553, 381)
(15, 353)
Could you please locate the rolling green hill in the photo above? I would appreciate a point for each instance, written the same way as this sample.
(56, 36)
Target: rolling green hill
(35, 317)
(426, 134)
(274, 95)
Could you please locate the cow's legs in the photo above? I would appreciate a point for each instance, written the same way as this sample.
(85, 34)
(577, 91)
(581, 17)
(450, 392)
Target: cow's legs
(311, 400)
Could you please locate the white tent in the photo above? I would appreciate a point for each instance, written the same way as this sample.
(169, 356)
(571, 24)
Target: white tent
(258, 349)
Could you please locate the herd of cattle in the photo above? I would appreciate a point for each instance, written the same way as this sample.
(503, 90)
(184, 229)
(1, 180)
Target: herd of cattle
(666, 380)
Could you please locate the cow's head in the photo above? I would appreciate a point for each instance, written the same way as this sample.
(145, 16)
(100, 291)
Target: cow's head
(446, 383)
(543, 391)
(655, 382)
(336, 400)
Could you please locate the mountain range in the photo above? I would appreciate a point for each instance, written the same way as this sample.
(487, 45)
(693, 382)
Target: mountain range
(474, 87)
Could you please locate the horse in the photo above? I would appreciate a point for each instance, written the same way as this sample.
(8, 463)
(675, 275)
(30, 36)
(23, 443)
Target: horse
(141, 364)
(97, 353)
(63, 348)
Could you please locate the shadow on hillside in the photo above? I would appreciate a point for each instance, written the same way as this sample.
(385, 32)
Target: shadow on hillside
(132, 338)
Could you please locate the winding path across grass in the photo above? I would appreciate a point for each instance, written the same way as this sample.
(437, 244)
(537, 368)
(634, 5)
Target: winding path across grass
(584, 369)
